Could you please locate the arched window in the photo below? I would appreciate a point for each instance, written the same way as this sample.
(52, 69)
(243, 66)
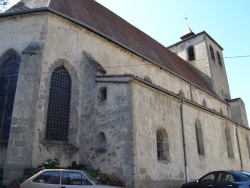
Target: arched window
(58, 117)
(181, 93)
(230, 151)
(146, 78)
(221, 111)
(199, 138)
(8, 81)
(248, 146)
(211, 52)
(100, 141)
(190, 52)
(162, 145)
(219, 58)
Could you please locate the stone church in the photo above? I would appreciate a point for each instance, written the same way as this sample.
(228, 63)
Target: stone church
(79, 83)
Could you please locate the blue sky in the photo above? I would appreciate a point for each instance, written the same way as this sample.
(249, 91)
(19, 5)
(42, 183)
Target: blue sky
(226, 21)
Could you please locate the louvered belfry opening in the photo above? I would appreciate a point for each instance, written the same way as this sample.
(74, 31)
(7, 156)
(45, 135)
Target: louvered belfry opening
(58, 117)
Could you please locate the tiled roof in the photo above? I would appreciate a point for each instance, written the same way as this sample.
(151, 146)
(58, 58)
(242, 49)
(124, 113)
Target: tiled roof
(102, 20)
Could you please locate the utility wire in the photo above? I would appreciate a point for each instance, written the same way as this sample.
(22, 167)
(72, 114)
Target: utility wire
(232, 57)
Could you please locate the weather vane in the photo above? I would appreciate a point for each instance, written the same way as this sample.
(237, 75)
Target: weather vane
(186, 18)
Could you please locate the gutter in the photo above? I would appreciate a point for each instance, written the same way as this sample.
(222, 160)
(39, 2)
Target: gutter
(184, 142)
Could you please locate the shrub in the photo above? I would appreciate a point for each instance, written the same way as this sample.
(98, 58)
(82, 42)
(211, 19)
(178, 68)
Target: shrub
(109, 179)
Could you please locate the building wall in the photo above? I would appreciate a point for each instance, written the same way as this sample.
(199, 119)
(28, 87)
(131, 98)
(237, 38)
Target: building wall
(128, 119)
(215, 147)
(238, 111)
(154, 109)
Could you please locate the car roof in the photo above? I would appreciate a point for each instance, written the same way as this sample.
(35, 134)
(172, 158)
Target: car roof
(62, 170)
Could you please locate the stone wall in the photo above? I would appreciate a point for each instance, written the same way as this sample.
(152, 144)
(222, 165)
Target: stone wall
(113, 120)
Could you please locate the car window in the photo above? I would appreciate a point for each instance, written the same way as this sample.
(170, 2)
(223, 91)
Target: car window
(74, 178)
(51, 177)
(208, 178)
(245, 174)
(225, 177)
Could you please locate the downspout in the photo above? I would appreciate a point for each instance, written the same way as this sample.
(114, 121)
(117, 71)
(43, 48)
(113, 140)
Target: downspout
(184, 142)
(238, 142)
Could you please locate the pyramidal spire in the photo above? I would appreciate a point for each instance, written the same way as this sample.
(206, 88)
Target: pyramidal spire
(187, 33)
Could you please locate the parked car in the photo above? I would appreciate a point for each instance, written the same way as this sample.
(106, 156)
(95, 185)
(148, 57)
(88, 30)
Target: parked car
(221, 179)
(61, 178)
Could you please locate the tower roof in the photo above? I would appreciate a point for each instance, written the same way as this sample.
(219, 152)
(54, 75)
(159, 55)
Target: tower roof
(102, 21)
(187, 33)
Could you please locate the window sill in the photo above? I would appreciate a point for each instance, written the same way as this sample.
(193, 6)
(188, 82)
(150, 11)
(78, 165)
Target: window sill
(60, 144)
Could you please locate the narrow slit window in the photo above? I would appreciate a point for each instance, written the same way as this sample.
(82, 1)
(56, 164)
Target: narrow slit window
(162, 142)
(229, 143)
(211, 52)
(248, 146)
(199, 138)
(191, 55)
(219, 59)
(159, 146)
(103, 94)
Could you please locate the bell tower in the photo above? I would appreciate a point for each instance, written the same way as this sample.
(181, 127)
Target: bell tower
(204, 53)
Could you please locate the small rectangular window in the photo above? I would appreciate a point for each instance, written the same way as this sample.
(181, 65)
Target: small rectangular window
(103, 94)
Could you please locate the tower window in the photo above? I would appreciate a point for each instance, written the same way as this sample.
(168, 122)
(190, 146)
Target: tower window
(59, 106)
(8, 81)
(219, 58)
(190, 52)
(211, 52)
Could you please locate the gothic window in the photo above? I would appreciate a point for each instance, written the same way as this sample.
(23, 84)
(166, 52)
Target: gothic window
(59, 106)
(248, 146)
(190, 52)
(211, 52)
(162, 145)
(219, 58)
(230, 151)
(8, 81)
(199, 138)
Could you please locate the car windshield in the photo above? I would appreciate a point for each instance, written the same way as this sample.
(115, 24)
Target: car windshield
(245, 174)
(91, 178)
